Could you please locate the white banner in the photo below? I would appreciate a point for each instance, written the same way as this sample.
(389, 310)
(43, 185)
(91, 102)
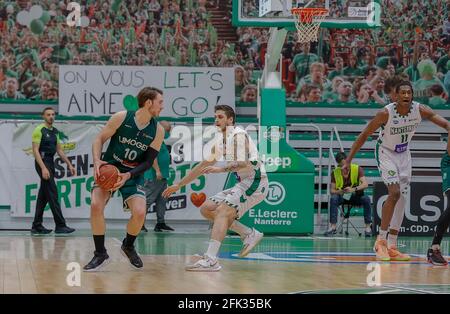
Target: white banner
(6, 135)
(74, 192)
(100, 90)
(358, 11)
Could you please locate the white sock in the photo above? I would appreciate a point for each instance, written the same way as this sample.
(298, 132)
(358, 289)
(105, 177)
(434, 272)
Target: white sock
(382, 235)
(213, 248)
(392, 240)
(240, 229)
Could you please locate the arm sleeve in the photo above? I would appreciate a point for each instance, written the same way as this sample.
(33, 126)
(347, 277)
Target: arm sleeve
(37, 135)
(58, 140)
(150, 156)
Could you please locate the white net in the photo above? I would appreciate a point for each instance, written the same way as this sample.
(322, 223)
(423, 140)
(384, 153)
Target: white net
(307, 22)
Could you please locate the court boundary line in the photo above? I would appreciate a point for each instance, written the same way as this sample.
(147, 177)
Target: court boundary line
(384, 291)
(307, 259)
(394, 288)
(410, 289)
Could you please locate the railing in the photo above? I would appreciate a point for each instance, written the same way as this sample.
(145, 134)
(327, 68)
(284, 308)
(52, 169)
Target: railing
(331, 159)
(319, 131)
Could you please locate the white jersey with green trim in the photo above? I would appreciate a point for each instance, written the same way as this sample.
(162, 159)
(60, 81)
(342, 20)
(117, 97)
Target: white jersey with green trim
(398, 131)
(226, 153)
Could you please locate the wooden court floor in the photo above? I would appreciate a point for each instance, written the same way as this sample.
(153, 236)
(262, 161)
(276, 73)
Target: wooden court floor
(278, 265)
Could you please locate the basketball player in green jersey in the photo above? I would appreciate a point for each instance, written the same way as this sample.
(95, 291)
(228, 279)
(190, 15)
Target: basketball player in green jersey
(136, 138)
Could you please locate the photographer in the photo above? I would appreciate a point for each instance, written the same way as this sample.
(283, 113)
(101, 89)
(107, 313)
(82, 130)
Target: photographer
(348, 186)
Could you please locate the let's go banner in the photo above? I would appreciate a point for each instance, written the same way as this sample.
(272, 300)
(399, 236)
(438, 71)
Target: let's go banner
(103, 90)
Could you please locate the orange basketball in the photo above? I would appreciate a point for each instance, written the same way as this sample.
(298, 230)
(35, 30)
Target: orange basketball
(107, 177)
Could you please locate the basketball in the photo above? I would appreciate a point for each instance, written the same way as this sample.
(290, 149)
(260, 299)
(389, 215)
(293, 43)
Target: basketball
(107, 177)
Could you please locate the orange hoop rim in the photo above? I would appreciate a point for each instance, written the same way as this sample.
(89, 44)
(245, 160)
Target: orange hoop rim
(306, 14)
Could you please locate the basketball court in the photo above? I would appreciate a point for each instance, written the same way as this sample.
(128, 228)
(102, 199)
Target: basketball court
(278, 265)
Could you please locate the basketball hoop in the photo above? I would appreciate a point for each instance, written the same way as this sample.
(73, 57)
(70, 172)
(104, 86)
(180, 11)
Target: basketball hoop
(307, 22)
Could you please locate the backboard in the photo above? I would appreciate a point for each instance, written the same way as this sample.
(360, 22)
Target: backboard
(350, 14)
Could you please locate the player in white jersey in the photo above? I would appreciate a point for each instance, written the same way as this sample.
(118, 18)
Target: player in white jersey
(398, 122)
(224, 209)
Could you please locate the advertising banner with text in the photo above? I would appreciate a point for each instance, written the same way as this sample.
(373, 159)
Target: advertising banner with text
(103, 90)
(74, 191)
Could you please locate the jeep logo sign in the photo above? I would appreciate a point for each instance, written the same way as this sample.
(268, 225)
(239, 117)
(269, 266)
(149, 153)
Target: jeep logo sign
(283, 162)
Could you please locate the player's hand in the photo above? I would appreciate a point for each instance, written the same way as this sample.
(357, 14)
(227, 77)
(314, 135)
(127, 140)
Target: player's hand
(123, 177)
(97, 164)
(45, 173)
(212, 169)
(159, 176)
(170, 190)
(72, 170)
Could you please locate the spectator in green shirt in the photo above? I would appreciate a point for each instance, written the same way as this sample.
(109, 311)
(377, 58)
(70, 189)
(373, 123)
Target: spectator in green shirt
(5, 67)
(437, 95)
(370, 73)
(249, 93)
(156, 183)
(378, 84)
(427, 71)
(316, 78)
(442, 63)
(11, 90)
(390, 70)
(332, 95)
(352, 69)
(339, 68)
(313, 94)
(44, 90)
(302, 61)
(345, 92)
(60, 53)
(364, 93)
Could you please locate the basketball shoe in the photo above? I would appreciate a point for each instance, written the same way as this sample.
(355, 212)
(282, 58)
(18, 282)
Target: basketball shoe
(396, 255)
(250, 241)
(381, 250)
(132, 255)
(206, 263)
(435, 257)
(98, 261)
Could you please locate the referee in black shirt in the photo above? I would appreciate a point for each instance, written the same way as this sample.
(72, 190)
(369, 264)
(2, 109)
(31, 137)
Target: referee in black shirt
(45, 144)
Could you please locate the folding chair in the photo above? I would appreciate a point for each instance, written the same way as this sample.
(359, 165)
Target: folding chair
(346, 209)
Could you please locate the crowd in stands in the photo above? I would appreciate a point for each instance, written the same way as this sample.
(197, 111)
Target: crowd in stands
(140, 32)
(348, 67)
(362, 66)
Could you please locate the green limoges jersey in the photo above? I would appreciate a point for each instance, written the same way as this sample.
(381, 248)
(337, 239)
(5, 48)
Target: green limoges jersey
(445, 172)
(128, 145)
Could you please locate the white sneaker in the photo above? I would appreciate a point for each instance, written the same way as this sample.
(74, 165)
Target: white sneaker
(206, 263)
(250, 241)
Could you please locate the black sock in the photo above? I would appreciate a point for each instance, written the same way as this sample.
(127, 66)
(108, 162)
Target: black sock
(129, 240)
(99, 241)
